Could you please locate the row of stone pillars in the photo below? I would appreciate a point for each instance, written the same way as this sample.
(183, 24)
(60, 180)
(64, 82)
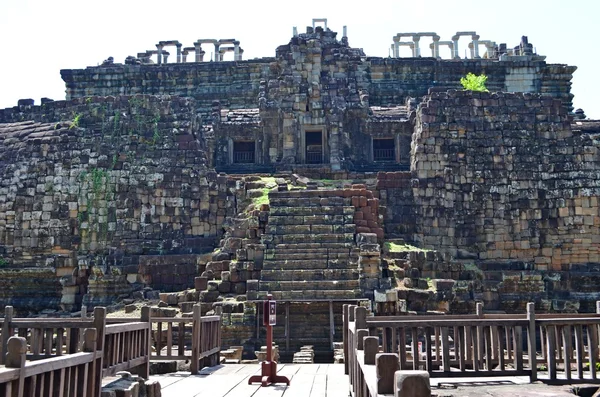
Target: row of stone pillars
(435, 46)
(183, 52)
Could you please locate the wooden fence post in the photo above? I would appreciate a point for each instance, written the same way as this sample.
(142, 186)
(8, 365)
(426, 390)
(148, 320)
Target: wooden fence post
(16, 350)
(100, 325)
(345, 336)
(147, 318)
(371, 346)
(531, 344)
(92, 383)
(7, 332)
(196, 331)
(386, 366)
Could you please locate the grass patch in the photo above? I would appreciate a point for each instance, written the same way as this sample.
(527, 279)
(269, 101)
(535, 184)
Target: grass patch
(395, 247)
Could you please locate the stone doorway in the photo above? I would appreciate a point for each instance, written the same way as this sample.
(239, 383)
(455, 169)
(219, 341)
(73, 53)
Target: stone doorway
(244, 152)
(384, 150)
(313, 146)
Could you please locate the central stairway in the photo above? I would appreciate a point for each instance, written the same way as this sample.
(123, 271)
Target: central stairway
(311, 253)
(311, 264)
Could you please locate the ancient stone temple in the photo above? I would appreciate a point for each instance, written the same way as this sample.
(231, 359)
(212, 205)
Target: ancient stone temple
(320, 175)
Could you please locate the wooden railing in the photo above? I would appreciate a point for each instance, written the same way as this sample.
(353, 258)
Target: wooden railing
(77, 374)
(193, 338)
(58, 354)
(477, 345)
(384, 154)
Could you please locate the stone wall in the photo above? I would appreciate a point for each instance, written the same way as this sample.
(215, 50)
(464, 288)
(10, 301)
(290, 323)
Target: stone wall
(92, 184)
(397, 202)
(503, 177)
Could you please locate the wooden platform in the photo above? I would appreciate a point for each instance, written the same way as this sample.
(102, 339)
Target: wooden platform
(231, 380)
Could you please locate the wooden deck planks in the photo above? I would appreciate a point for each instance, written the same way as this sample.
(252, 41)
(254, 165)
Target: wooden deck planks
(307, 380)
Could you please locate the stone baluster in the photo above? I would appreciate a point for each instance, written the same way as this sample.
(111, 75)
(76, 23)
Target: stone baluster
(178, 52)
(165, 55)
(475, 53)
(455, 46)
(416, 49)
(396, 47)
(199, 52)
(217, 52)
(159, 50)
(436, 47)
(236, 51)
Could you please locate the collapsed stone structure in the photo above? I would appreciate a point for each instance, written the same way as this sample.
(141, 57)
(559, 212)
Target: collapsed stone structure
(130, 184)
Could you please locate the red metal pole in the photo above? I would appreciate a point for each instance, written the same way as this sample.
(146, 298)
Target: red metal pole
(268, 367)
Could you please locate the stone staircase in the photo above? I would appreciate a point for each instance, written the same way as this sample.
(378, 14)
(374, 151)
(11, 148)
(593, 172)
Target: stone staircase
(311, 253)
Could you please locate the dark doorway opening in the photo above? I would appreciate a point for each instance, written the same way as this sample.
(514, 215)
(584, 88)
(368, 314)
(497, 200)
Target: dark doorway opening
(384, 150)
(243, 152)
(314, 147)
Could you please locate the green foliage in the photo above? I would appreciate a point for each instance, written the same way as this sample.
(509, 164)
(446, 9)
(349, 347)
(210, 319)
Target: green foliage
(395, 247)
(3, 262)
(75, 121)
(473, 82)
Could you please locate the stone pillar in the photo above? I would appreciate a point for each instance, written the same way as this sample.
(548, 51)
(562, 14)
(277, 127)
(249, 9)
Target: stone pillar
(159, 48)
(217, 52)
(416, 48)
(396, 47)
(345, 31)
(475, 39)
(436, 47)
(201, 56)
(236, 51)
(455, 47)
(165, 55)
(198, 51)
(295, 31)
(184, 56)
(178, 53)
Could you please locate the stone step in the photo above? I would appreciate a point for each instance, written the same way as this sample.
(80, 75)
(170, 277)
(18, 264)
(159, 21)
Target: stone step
(301, 247)
(312, 219)
(308, 285)
(320, 294)
(275, 201)
(318, 253)
(314, 238)
(300, 275)
(300, 211)
(309, 264)
(311, 229)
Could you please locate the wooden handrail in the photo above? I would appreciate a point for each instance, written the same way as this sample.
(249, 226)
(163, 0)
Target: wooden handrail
(475, 345)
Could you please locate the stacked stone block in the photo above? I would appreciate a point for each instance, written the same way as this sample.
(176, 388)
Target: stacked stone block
(503, 176)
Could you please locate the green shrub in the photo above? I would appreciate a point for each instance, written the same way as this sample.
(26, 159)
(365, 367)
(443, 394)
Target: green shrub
(473, 82)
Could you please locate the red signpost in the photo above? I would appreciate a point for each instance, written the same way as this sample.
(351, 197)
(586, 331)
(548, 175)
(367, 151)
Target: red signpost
(269, 368)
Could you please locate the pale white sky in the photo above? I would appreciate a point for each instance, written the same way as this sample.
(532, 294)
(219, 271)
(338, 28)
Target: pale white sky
(40, 37)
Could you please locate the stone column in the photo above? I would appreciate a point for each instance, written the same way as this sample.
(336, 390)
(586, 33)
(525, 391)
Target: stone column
(295, 31)
(345, 31)
(201, 56)
(436, 47)
(198, 51)
(416, 48)
(184, 56)
(475, 39)
(178, 52)
(455, 47)
(217, 52)
(236, 51)
(396, 47)
(159, 48)
(165, 56)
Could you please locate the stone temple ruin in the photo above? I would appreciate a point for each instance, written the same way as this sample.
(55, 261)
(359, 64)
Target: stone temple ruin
(320, 175)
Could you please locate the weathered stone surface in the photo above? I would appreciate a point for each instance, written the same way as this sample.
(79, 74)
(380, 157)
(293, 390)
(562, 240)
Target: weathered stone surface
(411, 384)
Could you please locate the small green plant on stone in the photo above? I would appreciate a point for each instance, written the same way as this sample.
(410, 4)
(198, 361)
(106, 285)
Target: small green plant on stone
(472, 82)
(3, 262)
(75, 121)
